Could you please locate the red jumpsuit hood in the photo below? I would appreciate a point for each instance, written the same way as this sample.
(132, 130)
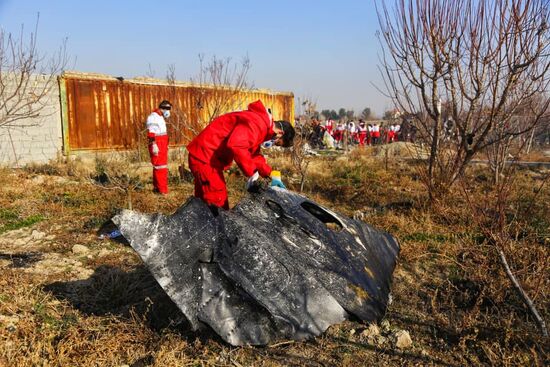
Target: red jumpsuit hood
(260, 109)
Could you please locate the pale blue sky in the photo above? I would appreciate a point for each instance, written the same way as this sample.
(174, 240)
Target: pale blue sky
(325, 50)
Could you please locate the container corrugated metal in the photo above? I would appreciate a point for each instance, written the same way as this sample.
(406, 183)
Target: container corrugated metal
(107, 113)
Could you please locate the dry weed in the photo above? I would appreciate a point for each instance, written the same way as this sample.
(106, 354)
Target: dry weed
(448, 290)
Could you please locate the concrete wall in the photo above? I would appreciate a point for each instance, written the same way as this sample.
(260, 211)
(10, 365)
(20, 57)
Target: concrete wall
(34, 139)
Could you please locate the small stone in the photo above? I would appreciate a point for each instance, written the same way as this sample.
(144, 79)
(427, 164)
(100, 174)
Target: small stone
(80, 250)
(37, 235)
(403, 339)
(352, 332)
(371, 332)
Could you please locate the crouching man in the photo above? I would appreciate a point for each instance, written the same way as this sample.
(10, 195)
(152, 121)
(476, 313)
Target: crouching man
(236, 136)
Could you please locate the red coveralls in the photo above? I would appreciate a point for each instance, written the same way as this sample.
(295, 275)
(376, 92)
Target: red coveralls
(391, 134)
(157, 131)
(362, 135)
(233, 136)
(329, 126)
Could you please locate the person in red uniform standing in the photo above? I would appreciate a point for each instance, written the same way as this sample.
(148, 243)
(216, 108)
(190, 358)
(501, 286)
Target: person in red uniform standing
(236, 136)
(362, 133)
(375, 133)
(157, 136)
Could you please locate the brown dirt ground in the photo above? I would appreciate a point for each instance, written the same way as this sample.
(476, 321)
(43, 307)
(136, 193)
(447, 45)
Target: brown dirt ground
(100, 307)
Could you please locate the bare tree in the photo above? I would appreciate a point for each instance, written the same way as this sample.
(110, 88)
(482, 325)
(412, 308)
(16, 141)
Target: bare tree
(182, 127)
(27, 78)
(219, 88)
(483, 65)
(220, 84)
(505, 147)
(299, 154)
(118, 171)
(473, 62)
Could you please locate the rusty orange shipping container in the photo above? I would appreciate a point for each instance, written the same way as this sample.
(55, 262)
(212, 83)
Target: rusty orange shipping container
(102, 113)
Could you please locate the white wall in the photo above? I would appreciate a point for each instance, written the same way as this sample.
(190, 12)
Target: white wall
(34, 140)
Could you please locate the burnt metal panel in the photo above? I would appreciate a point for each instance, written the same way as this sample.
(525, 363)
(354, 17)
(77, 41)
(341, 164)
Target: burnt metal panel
(278, 265)
(107, 113)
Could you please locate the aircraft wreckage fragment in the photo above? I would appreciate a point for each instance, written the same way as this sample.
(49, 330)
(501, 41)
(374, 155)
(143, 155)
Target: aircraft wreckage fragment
(277, 266)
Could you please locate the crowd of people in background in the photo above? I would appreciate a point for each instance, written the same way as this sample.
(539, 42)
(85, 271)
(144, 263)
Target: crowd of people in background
(333, 134)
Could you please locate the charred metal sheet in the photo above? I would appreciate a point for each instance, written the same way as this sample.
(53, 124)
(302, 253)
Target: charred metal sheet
(276, 266)
(234, 314)
(350, 258)
(109, 113)
(172, 246)
(256, 259)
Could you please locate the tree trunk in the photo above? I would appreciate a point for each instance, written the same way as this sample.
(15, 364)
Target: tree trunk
(530, 141)
(13, 148)
(497, 163)
(433, 156)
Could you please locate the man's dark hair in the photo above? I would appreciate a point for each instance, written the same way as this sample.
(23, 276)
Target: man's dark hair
(165, 105)
(289, 132)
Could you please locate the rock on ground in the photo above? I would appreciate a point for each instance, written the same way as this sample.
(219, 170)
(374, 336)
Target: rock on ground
(402, 339)
(80, 250)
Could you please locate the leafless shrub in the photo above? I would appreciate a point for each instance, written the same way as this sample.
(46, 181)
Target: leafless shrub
(220, 83)
(300, 159)
(219, 86)
(26, 78)
(507, 148)
(473, 75)
(475, 63)
(118, 171)
(61, 166)
(182, 126)
(299, 154)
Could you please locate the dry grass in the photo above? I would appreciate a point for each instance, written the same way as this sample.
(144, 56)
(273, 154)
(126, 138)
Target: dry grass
(449, 291)
(535, 156)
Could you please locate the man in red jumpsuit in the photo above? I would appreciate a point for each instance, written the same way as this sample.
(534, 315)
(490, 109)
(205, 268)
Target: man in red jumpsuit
(157, 136)
(362, 134)
(236, 136)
